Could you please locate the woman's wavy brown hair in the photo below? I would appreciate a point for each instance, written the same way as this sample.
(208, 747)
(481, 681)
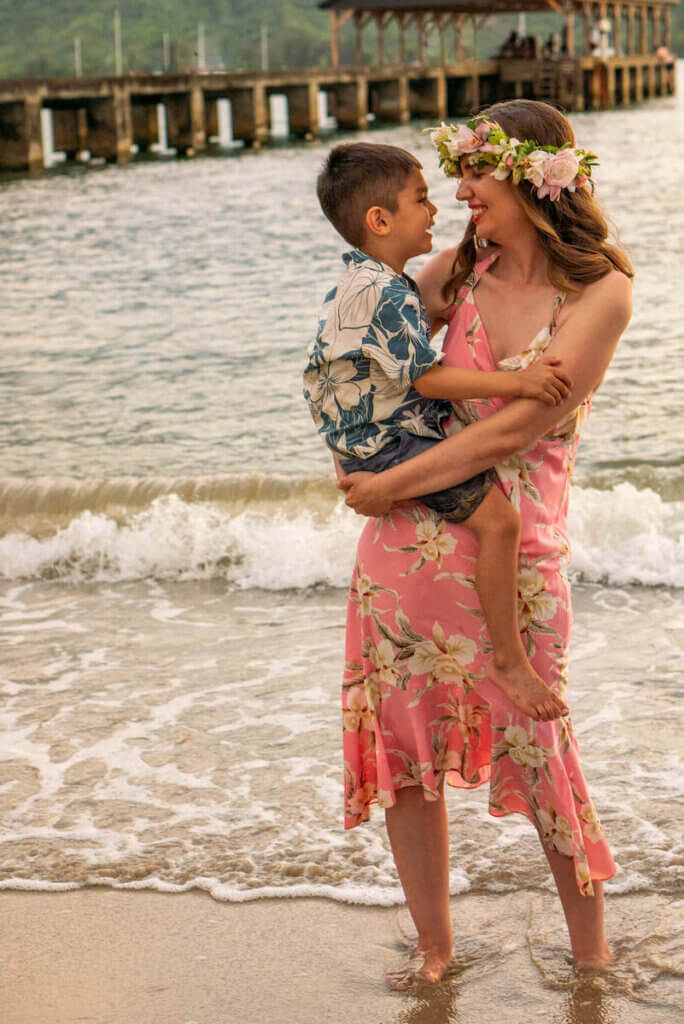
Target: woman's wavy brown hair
(572, 231)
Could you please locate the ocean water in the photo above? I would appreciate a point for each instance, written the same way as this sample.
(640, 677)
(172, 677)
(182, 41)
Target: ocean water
(174, 554)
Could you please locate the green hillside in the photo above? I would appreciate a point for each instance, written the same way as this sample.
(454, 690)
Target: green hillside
(37, 37)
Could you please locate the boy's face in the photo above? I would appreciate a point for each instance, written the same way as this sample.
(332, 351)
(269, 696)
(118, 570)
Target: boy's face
(410, 224)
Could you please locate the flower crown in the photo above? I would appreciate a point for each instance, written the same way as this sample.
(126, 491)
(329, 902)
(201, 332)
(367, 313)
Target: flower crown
(483, 143)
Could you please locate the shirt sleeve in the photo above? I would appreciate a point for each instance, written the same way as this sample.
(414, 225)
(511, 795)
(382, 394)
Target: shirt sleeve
(397, 337)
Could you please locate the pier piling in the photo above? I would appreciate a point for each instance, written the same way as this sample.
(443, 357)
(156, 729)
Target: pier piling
(302, 103)
(198, 132)
(185, 126)
(145, 125)
(69, 131)
(348, 103)
(428, 97)
(389, 99)
(109, 126)
(21, 145)
(211, 117)
(251, 115)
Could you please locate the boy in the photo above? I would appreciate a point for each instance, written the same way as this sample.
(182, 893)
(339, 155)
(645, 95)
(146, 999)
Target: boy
(379, 396)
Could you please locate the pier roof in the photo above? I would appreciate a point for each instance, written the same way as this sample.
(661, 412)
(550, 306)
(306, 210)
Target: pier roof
(455, 7)
(471, 6)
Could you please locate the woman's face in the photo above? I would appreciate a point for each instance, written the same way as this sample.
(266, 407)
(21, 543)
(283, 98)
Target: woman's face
(495, 209)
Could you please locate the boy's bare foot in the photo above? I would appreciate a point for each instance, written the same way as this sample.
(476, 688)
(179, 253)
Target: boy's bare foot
(528, 691)
(426, 967)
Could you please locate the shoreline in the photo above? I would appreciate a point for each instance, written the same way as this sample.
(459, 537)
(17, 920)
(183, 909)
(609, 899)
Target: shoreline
(134, 695)
(118, 957)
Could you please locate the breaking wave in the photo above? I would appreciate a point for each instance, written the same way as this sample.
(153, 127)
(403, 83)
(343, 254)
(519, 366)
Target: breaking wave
(279, 533)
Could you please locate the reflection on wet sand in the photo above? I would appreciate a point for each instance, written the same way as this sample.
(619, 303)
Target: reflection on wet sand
(587, 1003)
(438, 1007)
(511, 960)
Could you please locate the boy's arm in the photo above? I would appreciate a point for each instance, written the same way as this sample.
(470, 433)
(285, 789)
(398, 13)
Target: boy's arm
(545, 380)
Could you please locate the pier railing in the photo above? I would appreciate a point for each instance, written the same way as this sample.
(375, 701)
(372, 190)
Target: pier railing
(106, 117)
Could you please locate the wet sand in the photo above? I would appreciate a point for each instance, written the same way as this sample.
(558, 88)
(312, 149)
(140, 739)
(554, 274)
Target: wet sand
(100, 956)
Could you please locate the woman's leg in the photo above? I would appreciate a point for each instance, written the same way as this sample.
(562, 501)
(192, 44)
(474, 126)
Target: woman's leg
(419, 835)
(584, 915)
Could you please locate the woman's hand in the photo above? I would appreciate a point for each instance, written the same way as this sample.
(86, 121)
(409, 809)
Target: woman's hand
(364, 494)
(546, 380)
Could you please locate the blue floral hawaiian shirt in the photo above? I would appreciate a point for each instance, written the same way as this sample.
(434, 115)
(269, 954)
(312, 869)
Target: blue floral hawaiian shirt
(373, 341)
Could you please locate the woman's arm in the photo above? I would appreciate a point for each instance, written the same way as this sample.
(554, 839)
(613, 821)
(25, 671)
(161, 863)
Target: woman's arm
(430, 280)
(585, 343)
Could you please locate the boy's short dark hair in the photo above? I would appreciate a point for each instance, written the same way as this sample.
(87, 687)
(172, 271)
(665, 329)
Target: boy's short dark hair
(358, 175)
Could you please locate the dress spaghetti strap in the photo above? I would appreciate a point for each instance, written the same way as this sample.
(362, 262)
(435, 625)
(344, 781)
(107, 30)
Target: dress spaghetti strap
(557, 303)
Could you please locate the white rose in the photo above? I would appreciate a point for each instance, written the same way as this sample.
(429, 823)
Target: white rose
(536, 166)
(441, 134)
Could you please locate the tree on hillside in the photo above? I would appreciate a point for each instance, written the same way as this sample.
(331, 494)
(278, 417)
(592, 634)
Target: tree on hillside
(38, 36)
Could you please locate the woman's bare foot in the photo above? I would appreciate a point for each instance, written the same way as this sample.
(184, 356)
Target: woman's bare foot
(423, 967)
(595, 962)
(527, 690)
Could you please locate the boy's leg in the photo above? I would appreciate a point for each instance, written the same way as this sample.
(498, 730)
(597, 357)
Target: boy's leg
(496, 525)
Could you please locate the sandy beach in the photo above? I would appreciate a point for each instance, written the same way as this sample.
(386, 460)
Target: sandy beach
(106, 957)
(172, 610)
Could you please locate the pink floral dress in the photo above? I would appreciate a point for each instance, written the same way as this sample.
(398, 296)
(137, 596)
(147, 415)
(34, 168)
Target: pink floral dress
(417, 703)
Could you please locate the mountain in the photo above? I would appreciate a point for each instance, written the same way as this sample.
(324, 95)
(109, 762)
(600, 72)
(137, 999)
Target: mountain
(37, 37)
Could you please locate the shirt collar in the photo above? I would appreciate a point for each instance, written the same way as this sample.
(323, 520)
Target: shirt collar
(357, 257)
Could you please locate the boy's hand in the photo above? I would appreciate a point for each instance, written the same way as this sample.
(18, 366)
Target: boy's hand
(363, 494)
(545, 380)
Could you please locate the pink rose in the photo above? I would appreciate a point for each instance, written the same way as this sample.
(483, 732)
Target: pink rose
(560, 170)
(483, 130)
(463, 141)
(552, 191)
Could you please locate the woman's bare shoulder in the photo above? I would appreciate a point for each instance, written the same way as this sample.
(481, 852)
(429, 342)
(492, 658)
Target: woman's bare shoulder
(614, 287)
(614, 283)
(596, 319)
(612, 294)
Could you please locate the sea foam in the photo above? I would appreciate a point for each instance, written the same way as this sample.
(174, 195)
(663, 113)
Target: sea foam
(620, 536)
(625, 535)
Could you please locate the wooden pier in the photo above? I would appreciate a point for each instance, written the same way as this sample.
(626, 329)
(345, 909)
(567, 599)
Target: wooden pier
(106, 117)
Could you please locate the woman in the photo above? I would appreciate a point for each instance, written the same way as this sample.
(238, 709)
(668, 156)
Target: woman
(418, 706)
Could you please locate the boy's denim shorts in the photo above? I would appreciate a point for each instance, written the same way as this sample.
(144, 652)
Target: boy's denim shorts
(455, 504)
